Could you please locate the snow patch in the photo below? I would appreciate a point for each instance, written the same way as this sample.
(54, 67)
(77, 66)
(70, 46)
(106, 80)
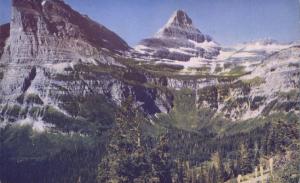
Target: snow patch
(245, 54)
(31, 90)
(44, 2)
(178, 50)
(207, 45)
(141, 48)
(59, 67)
(268, 48)
(37, 125)
(3, 124)
(252, 114)
(223, 55)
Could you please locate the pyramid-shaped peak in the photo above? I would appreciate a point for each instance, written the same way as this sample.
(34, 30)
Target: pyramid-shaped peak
(180, 18)
(178, 40)
(180, 25)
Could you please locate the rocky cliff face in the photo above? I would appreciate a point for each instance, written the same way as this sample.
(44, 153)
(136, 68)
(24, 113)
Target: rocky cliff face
(51, 60)
(4, 34)
(55, 56)
(178, 40)
(50, 32)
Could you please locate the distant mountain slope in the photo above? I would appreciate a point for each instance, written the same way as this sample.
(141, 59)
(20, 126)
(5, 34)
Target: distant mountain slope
(252, 51)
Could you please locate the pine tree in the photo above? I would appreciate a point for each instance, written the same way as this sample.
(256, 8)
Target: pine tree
(213, 175)
(217, 162)
(180, 171)
(161, 160)
(126, 158)
(244, 160)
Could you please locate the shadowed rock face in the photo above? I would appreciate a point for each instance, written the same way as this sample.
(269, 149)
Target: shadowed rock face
(178, 40)
(182, 19)
(58, 19)
(4, 34)
(180, 25)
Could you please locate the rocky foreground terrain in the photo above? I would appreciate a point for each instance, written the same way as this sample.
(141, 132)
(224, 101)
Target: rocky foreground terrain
(77, 104)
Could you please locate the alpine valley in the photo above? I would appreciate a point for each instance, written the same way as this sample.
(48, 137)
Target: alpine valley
(78, 104)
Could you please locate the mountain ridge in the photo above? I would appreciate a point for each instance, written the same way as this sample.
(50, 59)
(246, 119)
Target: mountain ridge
(84, 26)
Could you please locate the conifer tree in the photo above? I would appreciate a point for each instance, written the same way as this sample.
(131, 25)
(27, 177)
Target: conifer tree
(126, 158)
(161, 160)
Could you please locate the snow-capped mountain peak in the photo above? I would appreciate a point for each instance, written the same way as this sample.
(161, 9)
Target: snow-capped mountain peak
(180, 25)
(178, 40)
(180, 18)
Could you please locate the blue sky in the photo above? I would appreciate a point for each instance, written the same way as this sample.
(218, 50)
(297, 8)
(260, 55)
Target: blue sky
(227, 21)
